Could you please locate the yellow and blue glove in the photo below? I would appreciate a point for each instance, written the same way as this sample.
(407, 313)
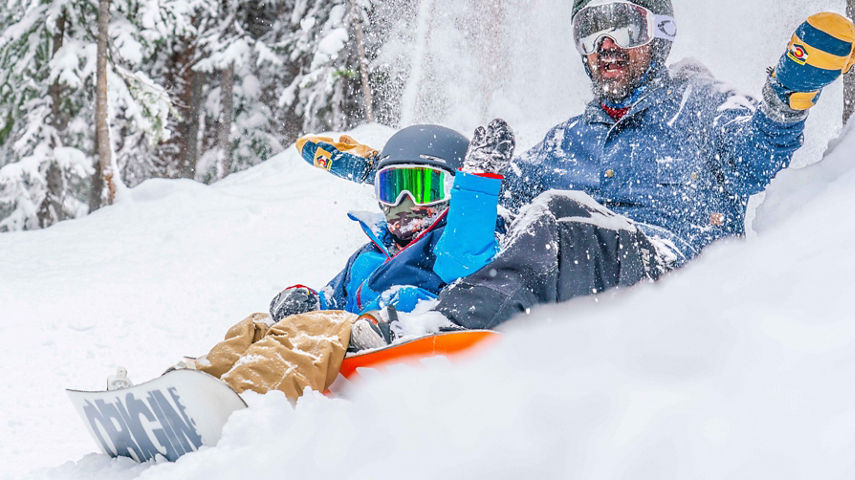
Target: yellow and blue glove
(345, 158)
(821, 50)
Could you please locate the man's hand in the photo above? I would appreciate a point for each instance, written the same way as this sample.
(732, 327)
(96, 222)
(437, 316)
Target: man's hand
(819, 52)
(491, 149)
(292, 301)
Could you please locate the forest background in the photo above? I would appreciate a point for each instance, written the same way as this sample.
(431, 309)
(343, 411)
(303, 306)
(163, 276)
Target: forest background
(97, 96)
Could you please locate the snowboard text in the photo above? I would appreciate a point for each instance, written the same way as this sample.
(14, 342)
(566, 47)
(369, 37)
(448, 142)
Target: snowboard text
(143, 428)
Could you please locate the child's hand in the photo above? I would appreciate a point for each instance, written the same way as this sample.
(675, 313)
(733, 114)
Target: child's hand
(292, 301)
(491, 148)
(346, 158)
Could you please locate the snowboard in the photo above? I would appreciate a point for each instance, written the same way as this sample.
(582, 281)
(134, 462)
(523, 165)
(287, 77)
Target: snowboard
(182, 410)
(173, 414)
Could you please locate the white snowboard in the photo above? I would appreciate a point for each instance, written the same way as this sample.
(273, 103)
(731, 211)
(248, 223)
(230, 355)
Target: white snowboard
(171, 415)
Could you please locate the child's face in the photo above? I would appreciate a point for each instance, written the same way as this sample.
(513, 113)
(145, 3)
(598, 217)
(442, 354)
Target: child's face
(406, 220)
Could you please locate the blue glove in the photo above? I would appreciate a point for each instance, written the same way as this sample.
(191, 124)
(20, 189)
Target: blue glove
(819, 52)
(404, 298)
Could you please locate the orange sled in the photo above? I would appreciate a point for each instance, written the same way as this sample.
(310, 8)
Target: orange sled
(449, 344)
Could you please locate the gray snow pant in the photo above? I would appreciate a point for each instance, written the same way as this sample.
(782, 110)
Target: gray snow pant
(563, 245)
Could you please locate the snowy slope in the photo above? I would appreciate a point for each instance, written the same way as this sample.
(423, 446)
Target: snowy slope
(739, 366)
(159, 275)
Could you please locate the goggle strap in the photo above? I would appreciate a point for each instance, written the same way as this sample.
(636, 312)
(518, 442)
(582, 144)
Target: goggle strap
(664, 27)
(409, 194)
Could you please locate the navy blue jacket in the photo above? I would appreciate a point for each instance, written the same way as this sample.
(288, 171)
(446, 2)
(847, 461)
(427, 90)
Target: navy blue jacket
(682, 162)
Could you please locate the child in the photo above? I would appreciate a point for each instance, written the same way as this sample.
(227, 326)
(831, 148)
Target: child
(438, 196)
(423, 240)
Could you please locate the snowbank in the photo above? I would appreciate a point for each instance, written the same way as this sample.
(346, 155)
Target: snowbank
(735, 367)
(159, 275)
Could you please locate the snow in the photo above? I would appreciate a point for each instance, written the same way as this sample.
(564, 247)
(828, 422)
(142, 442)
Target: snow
(137, 285)
(736, 366)
(129, 48)
(329, 47)
(718, 371)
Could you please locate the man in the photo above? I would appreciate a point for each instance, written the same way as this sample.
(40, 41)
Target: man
(667, 160)
(661, 163)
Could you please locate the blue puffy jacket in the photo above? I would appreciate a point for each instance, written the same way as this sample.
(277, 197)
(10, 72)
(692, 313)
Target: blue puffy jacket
(459, 243)
(682, 162)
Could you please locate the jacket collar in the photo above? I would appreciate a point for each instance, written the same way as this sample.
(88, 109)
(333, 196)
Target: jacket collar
(374, 226)
(657, 92)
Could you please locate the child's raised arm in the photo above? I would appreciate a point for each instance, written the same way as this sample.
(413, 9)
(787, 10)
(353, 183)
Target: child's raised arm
(469, 239)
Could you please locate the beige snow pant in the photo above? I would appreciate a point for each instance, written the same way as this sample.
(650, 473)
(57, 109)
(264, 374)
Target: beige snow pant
(299, 351)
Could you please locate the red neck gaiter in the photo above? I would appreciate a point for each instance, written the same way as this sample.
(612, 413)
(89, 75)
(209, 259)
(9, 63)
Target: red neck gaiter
(615, 113)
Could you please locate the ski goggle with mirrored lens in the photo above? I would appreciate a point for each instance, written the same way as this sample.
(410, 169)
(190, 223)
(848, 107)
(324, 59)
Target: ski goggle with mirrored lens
(426, 185)
(629, 25)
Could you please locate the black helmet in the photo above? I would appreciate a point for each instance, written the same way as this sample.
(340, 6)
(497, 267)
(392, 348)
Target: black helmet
(425, 145)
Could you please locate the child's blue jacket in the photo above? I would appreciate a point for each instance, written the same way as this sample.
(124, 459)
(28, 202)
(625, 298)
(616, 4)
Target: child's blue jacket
(459, 243)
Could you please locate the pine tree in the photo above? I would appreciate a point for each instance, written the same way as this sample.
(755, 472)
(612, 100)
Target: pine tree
(238, 128)
(195, 90)
(153, 95)
(357, 21)
(42, 91)
(326, 90)
(47, 100)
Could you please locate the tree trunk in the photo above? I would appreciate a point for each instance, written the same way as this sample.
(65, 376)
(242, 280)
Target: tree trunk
(367, 97)
(102, 120)
(224, 129)
(194, 120)
(849, 79)
(58, 120)
(97, 184)
(186, 163)
(175, 157)
(51, 210)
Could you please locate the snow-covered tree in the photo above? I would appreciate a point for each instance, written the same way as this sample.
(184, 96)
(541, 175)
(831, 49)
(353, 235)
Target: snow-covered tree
(47, 100)
(238, 126)
(325, 92)
(195, 89)
(297, 71)
(41, 96)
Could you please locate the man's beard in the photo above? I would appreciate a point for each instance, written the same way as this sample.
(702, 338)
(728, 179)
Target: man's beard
(614, 90)
(617, 90)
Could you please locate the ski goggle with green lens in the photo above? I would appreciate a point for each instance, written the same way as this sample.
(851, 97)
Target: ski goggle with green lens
(629, 25)
(426, 185)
